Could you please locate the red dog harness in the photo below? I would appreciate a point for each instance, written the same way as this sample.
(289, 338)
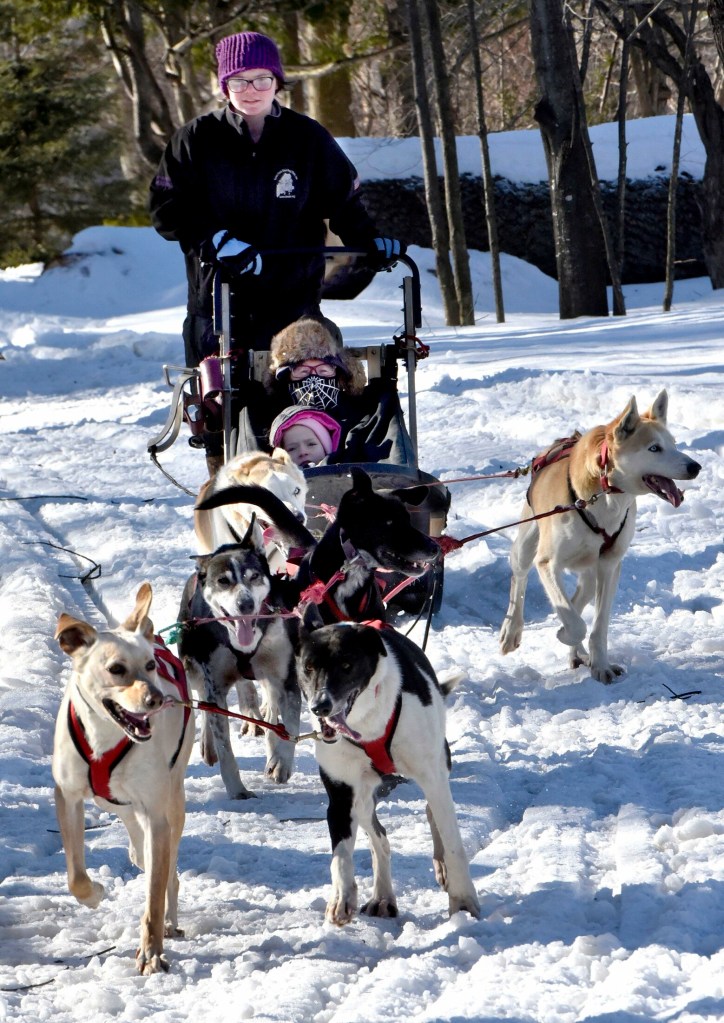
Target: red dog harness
(100, 769)
(378, 750)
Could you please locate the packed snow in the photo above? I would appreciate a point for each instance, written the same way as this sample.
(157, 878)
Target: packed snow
(593, 815)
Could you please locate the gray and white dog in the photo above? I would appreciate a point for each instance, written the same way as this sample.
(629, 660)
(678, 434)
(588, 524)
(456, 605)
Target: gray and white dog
(233, 635)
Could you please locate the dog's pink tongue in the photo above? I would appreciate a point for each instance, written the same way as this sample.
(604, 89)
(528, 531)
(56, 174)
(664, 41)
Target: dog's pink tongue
(245, 631)
(339, 723)
(665, 488)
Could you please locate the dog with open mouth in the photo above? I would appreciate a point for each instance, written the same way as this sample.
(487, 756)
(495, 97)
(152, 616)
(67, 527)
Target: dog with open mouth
(381, 713)
(600, 473)
(372, 532)
(123, 738)
(234, 635)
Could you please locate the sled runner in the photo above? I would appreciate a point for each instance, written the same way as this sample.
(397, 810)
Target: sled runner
(383, 442)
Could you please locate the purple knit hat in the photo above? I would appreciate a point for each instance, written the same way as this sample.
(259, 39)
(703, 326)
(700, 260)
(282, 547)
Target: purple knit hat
(244, 51)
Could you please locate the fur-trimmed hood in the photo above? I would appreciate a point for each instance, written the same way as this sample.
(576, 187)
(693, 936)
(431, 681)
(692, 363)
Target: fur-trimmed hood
(310, 338)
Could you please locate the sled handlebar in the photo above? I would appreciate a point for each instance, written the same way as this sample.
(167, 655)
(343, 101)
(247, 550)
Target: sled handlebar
(411, 289)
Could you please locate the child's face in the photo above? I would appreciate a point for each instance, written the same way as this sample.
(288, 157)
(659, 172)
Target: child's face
(302, 445)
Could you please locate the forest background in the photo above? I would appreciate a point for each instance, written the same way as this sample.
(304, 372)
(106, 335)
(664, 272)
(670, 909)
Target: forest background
(92, 90)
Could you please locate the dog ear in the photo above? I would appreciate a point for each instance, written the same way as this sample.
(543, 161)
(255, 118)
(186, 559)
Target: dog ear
(247, 540)
(361, 483)
(311, 618)
(138, 620)
(375, 639)
(659, 409)
(411, 495)
(627, 421)
(73, 634)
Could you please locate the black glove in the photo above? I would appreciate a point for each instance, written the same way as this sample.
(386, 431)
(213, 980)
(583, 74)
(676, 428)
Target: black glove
(384, 253)
(238, 256)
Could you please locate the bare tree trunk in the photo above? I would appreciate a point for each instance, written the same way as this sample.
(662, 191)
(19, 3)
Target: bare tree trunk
(577, 235)
(451, 180)
(488, 183)
(675, 158)
(436, 213)
(663, 41)
(619, 307)
(152, 120)
(328, 98)
(622, 143)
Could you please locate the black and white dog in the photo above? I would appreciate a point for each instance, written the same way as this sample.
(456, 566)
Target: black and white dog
(232, 635)
(371, 532)
(381, 712)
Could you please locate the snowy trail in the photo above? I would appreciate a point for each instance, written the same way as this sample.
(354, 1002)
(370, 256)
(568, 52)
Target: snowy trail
(593, 815)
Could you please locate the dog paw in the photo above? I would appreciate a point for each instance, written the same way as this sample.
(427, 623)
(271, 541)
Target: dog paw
(573, 633)
(90, 894)
(380, 907)
(578, 658)
(607, 673)
(510, 638)
(340, 910)
(172, 931)
(150, 962)
(250, 731)
(278, 770)
(242, 793)
(467, 903)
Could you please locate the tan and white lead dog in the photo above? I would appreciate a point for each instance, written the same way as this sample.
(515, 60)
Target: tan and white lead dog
(110, 744)
(607, 468)
(229, 523)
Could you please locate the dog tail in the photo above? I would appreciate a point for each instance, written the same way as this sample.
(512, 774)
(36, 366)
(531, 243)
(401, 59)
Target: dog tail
(450, 680)
(284, 520)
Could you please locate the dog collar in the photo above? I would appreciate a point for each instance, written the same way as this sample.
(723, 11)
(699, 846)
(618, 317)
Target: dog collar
(609, 539)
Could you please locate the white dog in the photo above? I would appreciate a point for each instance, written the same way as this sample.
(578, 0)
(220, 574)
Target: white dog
(229, 523)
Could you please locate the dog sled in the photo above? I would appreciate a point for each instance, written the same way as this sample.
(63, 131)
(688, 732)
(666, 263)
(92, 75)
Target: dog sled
(204, 395)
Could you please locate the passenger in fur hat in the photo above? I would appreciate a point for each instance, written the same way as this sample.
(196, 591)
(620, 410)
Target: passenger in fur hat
(308, 360)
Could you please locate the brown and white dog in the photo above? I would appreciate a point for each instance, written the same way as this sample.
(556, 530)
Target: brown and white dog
(607, 468)
(110, 744)
(226, 524)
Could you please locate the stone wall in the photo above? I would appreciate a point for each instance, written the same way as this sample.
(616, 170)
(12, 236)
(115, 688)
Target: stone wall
(524, 221)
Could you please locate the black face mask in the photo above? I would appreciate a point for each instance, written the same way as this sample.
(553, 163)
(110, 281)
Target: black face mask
(315, 392)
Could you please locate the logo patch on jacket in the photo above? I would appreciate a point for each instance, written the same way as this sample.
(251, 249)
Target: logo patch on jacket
(286, 182)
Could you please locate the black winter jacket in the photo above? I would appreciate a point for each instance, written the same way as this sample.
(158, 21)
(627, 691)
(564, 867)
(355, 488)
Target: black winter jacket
(274, 194)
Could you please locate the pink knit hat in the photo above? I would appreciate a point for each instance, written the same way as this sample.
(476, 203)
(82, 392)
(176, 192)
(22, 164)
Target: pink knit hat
(244, 51)
(325, 429)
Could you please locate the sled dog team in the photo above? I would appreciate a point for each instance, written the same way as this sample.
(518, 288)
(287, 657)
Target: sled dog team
(124, 731)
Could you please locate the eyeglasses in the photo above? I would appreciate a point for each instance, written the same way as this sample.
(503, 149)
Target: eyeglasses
(261, 84)
(306, 369)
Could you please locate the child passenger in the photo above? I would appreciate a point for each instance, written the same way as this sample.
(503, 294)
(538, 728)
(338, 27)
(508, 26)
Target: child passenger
(307, 434)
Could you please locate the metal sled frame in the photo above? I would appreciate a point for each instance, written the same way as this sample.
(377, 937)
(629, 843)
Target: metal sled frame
(187, 380)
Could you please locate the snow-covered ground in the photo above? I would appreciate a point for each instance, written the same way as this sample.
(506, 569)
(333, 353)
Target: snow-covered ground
(593, 815)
